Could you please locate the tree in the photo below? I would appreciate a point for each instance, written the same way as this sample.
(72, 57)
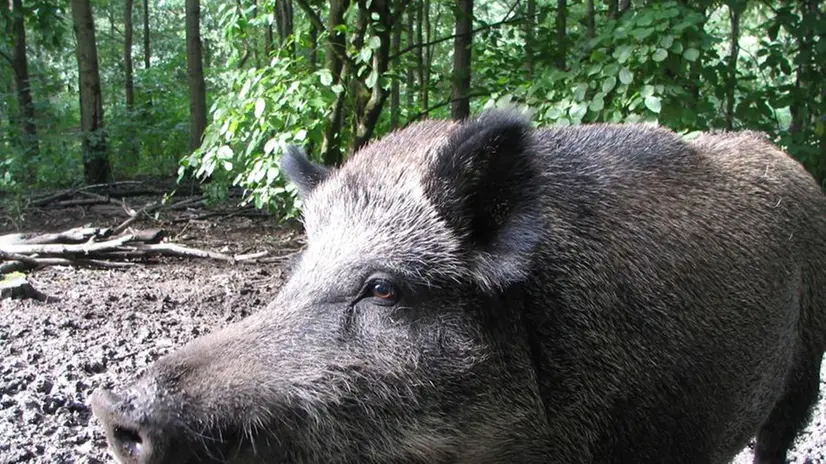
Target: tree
(20, 64)
(96, 165)
(147, 55)
(460, 104)
(335, 49)
(127, 55)
(195, 74)
(561, 33)
(395, 86)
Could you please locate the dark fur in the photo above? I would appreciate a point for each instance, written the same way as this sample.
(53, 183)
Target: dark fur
(599, 293)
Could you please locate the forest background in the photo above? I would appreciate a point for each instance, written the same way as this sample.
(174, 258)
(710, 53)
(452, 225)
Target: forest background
(94, 91)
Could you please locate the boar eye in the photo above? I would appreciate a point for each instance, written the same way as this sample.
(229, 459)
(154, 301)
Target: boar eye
(383, 291)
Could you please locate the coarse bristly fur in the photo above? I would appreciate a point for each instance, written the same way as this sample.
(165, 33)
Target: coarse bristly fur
(591, 294)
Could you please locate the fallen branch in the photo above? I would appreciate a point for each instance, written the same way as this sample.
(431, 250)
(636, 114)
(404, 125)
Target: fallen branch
(60, 249)
(76, 235)
(155, 206)
(43, 201)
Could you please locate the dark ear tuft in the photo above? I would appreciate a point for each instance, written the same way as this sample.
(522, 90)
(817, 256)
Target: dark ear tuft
(484, 182)
(305, 174)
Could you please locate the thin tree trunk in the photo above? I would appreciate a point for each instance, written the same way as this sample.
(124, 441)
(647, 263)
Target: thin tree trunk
(28, 127)
(590, 20)
(255, 51)
(268, 38)
(411, 75)
(613, 9)
(314, 45)
(381, 61)
(462, 44)
(395, 97)
(147, 54)
(624, 6)
(195, 74)
(95, 160)
(127, 55)
(331, 144)
(285, 21)
(420, 63)
(530, 34)
(428, 54)
(561, 34)
(735, 10)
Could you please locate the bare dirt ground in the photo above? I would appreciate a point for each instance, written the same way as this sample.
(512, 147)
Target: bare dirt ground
(109, 325)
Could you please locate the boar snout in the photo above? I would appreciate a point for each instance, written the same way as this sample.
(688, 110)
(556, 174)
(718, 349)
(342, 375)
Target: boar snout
(138, 429)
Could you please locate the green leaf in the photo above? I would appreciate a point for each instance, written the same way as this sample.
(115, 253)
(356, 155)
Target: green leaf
(667, 41)
(260, 105)
(647, 91)
(579, 92)
(597, 105)
(228, 165)
(653, 103)
(270, 146)
(623, 53)
(578, 111)
(225, 152)
(326, 77)
(371, 79)
(691, 54)
(659, 55)
(611, 69)
(609, 84)
(625, 76)
(301, 135)
(374, 42)
(365, 54)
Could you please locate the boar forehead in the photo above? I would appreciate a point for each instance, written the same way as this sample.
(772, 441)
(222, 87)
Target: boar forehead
(373, 214)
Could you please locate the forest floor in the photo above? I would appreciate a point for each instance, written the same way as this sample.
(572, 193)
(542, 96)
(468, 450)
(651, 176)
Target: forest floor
(111, 324)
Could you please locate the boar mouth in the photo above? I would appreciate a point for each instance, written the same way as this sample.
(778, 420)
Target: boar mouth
(135, 440)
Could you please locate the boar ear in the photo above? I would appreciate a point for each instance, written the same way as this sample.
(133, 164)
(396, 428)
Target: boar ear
(305, 174)
(484, 183)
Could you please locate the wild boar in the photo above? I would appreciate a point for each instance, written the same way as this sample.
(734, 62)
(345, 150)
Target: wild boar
(484, 291)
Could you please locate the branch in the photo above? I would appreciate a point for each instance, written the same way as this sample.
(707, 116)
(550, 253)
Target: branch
(311, 15)
(425, 111)
(444, 39)
(316, 21)
(59, 249)
(7, 57)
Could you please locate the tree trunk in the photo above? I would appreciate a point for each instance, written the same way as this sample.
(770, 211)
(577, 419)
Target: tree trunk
(530, 34)
(624, 6)
(268, 38)
(613, 9)
(284, 16)
(395, 45)
(314, 46)
(420, 63)
(381, 60)
(735, 9)
(460, 102)
(127, 55)
(590, 20)
(195, 74)
(28, 127)
(96, 166)
(561, 34)
(146, 51)
(411, 74)
(331, 144)
(428, 54)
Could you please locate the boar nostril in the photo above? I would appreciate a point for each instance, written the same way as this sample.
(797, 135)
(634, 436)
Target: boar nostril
(128, 440)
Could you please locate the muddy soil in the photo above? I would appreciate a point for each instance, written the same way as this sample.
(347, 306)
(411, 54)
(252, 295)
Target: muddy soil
(109, 325)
